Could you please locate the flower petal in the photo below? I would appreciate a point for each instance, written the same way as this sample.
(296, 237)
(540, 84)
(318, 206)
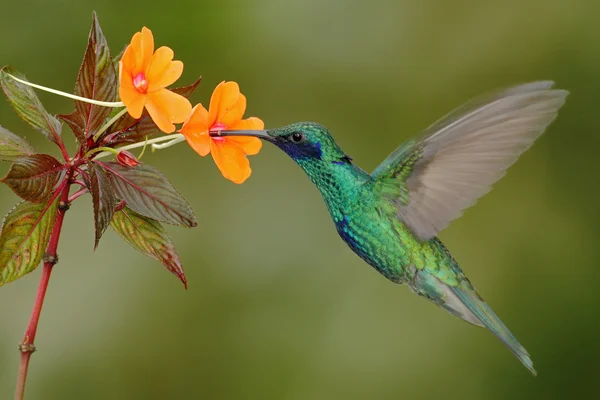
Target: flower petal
(127, 62)
(226, 99)
(166, 108)
(199, 142)
(162, 71)
(168, 77)
(230, 160)
(197, 121)
(195, 130)
(133, 100)
(146, 47)
(235, 113)
(250, 124)
(249, 145)
(139, 52)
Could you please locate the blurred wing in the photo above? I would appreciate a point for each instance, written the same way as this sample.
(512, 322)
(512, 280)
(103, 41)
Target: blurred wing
(431, 180)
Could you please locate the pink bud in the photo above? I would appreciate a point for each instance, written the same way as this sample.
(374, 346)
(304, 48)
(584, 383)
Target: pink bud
(127, 159)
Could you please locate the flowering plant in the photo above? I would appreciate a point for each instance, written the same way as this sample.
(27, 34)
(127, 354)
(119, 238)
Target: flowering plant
(120, 104)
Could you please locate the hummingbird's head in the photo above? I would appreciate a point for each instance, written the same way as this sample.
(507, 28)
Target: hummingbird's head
(305, 142)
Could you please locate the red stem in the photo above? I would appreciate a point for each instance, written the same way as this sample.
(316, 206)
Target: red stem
(50, 259)
(78, 194)
(61, 146)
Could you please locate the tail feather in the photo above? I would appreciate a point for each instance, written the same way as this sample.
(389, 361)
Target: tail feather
(481, 312)
(463, 301)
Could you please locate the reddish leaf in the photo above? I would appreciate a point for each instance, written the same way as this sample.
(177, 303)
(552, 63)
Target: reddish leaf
(28, 106)
(35, 178)
(104, 198)
(97, 79)
(13, 146)
(127, 129)
(187, 91)
(146, 191)
(149, 237)
(25, 234)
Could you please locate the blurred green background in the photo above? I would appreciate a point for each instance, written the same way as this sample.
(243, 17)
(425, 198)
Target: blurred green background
(278, 307)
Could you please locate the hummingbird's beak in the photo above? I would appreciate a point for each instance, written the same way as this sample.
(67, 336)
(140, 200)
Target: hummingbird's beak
(261, 134)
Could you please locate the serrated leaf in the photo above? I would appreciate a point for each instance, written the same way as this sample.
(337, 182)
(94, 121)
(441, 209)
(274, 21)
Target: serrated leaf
(28, 106)
(104, 198)
(35, 178)
(13, 146)
(132, 130)
(147, 192)
(25, 234)
(149, 237)
(97, 79)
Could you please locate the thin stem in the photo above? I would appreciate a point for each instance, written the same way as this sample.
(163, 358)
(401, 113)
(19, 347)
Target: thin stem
(143, 149)
(144, 143)
(99, 149)
(77, 194)
(69, 95)
(176, 140)
(83, 173)
(109, 123)
(50, 259)
(63, 149)
(78, 182)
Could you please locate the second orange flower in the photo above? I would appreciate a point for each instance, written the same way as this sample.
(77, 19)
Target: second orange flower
(227, 108)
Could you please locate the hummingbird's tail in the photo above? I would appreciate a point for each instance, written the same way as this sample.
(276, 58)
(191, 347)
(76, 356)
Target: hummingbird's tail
(488, 318)
(463, 301)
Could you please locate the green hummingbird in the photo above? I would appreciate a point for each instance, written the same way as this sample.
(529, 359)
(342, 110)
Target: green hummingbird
(391, 217)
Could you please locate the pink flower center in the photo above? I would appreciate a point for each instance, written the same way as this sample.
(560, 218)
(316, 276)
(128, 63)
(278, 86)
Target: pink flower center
(140, 83)
(218, 127)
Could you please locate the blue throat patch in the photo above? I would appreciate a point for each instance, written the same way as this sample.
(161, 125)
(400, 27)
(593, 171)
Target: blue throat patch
(301, 151)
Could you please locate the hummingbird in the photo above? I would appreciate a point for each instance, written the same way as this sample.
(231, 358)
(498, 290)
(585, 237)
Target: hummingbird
(391, 217)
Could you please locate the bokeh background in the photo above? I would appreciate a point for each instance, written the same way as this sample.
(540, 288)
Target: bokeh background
(277, 306)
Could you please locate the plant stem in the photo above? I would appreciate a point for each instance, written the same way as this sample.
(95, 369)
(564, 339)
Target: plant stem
(109, 123)
(177, 139)
(99, 149)
(78, 194)
(50, 259)
(145, 143)
(69, 95)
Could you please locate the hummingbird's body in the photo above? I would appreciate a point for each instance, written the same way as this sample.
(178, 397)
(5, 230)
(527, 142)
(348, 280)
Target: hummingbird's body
(372, 230)
(391, 217)
(354, 205)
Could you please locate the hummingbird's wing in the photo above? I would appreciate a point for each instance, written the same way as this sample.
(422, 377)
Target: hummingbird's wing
(432, 179)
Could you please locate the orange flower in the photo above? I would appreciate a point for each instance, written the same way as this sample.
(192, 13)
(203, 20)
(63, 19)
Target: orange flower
(144, 75)
(227, 107)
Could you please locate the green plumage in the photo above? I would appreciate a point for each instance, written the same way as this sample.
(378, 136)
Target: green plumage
(391, 217)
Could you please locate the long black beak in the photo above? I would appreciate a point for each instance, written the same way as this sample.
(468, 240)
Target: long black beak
(262, 134)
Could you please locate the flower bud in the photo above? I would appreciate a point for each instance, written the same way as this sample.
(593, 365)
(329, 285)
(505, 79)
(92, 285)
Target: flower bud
(127, 159)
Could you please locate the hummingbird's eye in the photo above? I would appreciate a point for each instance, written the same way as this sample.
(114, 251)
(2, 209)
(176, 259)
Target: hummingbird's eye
(297, 137)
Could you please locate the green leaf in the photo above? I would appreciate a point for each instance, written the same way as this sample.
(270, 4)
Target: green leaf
(146, 191)
(35, 178)
(104, 198)
(97, 79)
(13, 146)
(28, 106)
(149, 237)
(25, 234)
(132, 130)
